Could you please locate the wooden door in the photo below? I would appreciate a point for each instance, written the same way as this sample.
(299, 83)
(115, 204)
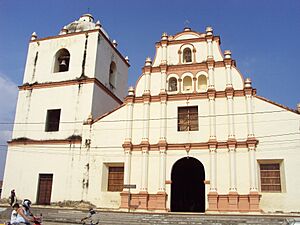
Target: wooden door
(44, 189)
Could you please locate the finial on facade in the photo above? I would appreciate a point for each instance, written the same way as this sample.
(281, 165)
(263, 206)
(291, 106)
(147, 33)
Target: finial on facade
(98, 25)
(248, 82)
(164, 36)
(115, 43)
(90, 119)
(33, 36)
(148, 61)
(227, 54)
(130, 91)
(127, 59)
(209, 31)
(298, 107)
(64, 30)
(187, 29)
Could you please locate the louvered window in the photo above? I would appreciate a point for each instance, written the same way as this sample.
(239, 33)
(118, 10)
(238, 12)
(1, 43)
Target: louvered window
(270, 177)
(188, 118)
(115, 178)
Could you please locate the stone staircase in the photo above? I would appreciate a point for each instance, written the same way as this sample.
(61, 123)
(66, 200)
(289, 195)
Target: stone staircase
(73, 216)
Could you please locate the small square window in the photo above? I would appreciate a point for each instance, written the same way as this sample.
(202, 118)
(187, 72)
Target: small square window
(187, 118)
(115, 178)
(52, 120)
(270, 177)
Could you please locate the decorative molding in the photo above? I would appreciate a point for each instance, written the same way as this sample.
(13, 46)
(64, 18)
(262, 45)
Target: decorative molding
(198, 95)
(195, 67)
(85, 80)
(194, 146)
(27, 141)
(189, 41)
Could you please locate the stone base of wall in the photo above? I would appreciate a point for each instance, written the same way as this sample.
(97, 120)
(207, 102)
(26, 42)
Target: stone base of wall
(234, 202)
(144, 201)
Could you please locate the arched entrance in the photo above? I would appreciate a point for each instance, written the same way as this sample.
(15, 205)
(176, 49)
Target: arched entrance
(187, 188)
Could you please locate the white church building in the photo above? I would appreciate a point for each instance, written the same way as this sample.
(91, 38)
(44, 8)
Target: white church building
(191, 136)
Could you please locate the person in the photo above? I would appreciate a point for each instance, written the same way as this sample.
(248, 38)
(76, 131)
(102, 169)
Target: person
(89, 216)
(18, 216)
(12, 197)
(26, 208)
(14, 214)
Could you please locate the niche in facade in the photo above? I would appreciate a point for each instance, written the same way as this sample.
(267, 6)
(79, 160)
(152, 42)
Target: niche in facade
(62, 60)
(172, 84)
(202, 83)
(187, 84)
(112, 75)
(187, 55)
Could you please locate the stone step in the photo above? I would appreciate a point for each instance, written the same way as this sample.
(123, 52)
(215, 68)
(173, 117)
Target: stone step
(123, 218)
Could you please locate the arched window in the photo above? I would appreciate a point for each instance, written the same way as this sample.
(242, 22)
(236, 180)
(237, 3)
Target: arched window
(172, 84)
(187, 55)
(187, 83)
(62, 60)
(112, 75)
(202, 83)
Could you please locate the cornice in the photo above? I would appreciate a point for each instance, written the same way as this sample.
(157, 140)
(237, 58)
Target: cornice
(85, 80)
(190, 96)
(195, 146)
(27, 141)
(187, 67)
(188, 41)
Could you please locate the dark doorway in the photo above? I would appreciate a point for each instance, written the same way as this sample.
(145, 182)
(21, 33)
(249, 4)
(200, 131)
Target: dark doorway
(187, 188)
(44, 189)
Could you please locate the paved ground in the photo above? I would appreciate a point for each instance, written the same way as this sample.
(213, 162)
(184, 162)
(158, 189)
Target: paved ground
(69, 216)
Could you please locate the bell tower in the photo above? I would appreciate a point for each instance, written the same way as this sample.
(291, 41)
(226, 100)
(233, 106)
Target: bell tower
(75, 75)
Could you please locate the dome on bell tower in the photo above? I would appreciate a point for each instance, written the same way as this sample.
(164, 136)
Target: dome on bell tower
(84, 23)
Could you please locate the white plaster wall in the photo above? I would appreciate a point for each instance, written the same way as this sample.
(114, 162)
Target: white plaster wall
(155, 83)
(112, 125)
(105, 55)
(287, 200)
(278, 133)
(75, 107)
(222, 171)
(153, 172)
(137, 124)
(102, 102)
(187, 36)
(46, 52)
(240, 118)
(98, 194)
(154, 125)
(174, 136)
(140, 86)
(22, 171)
(242, 171)
(158, 56)
(237, 79)
(136, 170)
(217, 52)
(221, 119)
(220, 78)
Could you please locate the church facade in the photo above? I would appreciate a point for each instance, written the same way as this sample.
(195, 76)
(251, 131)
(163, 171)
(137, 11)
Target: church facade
(191, 136)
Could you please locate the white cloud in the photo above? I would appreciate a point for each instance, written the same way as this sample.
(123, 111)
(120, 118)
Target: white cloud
(8, 99)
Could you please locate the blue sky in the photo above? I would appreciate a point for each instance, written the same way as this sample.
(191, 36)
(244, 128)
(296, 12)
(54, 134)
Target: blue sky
(262, 35)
